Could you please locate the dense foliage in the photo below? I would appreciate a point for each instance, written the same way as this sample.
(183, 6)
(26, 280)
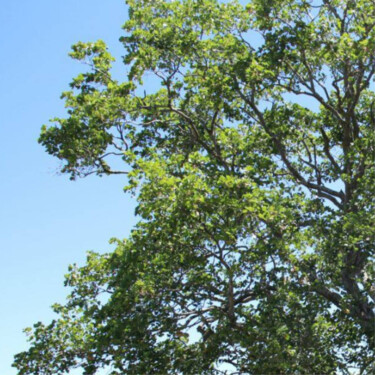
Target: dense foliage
(253, 164)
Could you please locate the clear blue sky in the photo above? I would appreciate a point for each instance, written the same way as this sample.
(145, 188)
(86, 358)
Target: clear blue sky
(47, 221)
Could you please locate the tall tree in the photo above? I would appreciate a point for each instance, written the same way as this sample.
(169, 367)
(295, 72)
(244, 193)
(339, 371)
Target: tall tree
(254, 169)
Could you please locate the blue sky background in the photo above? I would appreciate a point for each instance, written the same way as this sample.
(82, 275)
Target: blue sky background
(47, 221)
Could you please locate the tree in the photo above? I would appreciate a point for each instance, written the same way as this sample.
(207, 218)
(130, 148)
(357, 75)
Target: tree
(254, 169)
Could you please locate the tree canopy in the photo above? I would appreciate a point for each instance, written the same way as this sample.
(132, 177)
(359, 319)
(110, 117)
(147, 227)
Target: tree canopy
(253, 164)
